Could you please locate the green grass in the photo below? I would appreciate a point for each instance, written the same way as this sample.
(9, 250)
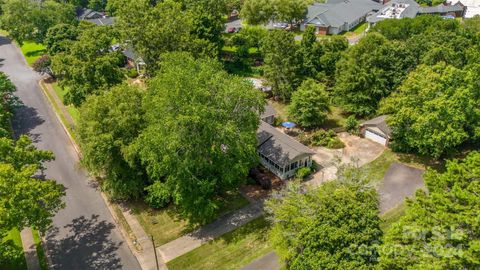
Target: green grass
(377, 168)
(392, 216)
(231, 251)
(357, 30)
(40, 253)
(233, 49)
(19, 262)
(74, 113)
(336, 118)
(32, 51)
(166, 224)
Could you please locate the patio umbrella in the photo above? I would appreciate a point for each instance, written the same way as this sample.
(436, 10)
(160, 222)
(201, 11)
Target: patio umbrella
(288, 124)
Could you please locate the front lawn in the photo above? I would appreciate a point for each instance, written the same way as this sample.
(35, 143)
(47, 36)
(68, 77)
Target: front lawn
(166, 225)
(377, 168)
(74, 113)
(231, 251)
(32, 51)
(19, 263)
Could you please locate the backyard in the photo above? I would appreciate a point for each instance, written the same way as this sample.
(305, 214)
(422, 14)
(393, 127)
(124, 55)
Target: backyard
(231, 251)
(166, 224)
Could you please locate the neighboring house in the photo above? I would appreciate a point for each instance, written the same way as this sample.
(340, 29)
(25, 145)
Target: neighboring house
(268, 115)
(337, 16)
(95, 17)
(472, 7)
(377, 130)
(398, 9)
(280, 153)
(134, 60)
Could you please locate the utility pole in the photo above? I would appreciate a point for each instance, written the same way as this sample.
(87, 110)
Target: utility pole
(154, 251)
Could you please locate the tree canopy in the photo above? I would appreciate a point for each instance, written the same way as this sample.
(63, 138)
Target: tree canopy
(440, 228)
(309, 105)
(335, 226)
(282, 63)
(259, 12)
(435, 110)
(89, 65)
(30, 20)
(6, 104)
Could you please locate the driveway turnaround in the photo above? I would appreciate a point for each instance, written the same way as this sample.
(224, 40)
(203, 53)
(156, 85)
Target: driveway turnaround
(83, 234)
(400, 182)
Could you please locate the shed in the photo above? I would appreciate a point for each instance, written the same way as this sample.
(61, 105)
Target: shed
(377, 130)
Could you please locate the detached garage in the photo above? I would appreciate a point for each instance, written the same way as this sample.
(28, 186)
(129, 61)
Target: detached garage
(377, 130)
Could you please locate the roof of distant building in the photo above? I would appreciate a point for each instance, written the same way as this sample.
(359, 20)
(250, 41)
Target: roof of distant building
(105, 21)
(278, 146)
(380, 124)
(336, 13)
(269, 111)
(395, 9)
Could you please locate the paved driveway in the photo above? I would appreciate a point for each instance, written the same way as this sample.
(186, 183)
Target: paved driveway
(400, 182)
(83, 235)
(357, 150)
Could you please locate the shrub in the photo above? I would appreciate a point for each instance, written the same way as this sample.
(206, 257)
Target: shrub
(42, 64)
(326, 138)
(303, 172)
(351, 125)
(132, 73)
(158, 195)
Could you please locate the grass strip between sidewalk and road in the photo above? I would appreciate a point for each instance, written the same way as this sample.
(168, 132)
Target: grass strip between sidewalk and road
(228, 252)
(40, 252)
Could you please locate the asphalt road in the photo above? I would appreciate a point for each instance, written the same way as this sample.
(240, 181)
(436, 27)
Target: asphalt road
(83, 235)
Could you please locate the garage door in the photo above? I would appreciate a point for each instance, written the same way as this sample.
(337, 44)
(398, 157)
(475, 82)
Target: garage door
(376, 138)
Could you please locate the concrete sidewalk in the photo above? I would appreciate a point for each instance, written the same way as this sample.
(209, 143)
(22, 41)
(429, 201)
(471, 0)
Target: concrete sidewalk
(195, 239)
(30, 249)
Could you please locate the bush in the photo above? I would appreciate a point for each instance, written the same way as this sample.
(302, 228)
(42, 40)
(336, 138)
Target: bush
(302, 173)
(158, 195)
(351, 125)
(132, 73)
(326, 138)
(42, 64)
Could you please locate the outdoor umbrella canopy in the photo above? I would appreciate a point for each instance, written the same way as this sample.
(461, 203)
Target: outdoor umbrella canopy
(288, 124)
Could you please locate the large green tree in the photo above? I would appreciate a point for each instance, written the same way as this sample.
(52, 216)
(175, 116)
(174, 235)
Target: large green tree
(335, 226)
(369, 71)
(109, 123)
(156, 29)
(200, 135)
(282, 63)
(30, 20)
(259, 12)
(89, 66)
(434, 110)
(309, 105)
(60, 37)
(7, 102)
(440, 227)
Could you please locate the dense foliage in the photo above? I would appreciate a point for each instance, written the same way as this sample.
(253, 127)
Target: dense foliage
(196, 139)
(309, 105)
(262, 11)
(440, 228)
(30, 20)
(89, 65)
(335, 226)
(7, 103)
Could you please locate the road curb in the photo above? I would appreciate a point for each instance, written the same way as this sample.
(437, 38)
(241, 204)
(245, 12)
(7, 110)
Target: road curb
(123, 232)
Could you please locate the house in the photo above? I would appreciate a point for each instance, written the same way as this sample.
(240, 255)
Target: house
(268, 115)
(377, 130)
(399, 9)
(472, 7)
(280, 153)
(95, 17)
(260, 85)
(134, 60)
(337, 16)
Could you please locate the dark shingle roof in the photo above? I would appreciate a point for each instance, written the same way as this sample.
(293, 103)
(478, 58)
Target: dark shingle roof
(442, 9)
(278, 146)
(269, 111)
(102, 21)
(380, 123)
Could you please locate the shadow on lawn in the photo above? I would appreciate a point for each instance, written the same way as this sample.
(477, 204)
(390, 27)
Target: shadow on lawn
(35, 53)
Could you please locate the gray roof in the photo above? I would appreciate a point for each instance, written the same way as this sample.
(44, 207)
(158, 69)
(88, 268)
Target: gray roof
(269, 111)
(410, 11)
(335, 13)
(380, 123)
(88, 14)
(278, 146)
(442, 9)
(102, 21)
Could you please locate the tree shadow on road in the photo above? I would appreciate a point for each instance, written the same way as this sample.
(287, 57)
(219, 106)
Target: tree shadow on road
(86, 245)
(4, 41)
(26, 119)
